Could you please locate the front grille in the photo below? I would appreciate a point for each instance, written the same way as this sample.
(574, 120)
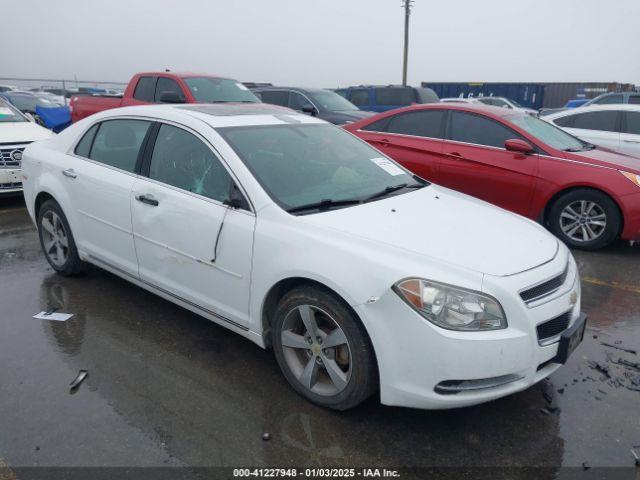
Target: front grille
(6, 161)
(544, 289)
(10, 186)
(554, 327)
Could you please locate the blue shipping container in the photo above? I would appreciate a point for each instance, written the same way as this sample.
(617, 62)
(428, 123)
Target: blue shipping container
(527, 94)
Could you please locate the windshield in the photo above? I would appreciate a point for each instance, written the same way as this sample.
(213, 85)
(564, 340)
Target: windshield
(329, 100)
(516, 103)
(216, 90)
(301, 165)
(8, 113)
(547, 133)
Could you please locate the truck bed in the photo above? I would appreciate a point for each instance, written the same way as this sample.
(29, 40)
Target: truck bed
(84, 105)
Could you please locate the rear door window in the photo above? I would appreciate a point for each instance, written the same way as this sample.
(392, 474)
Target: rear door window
(117, 143)
(145, 89)
(275, 97)
(634, 99)
(603, 121)
(84, 146)
(395, 96)
(470, 128)
(632, 123)
(359, 96)
(426, 123)
(167, 85)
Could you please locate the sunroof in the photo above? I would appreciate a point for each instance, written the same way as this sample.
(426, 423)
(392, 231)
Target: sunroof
(229, 109)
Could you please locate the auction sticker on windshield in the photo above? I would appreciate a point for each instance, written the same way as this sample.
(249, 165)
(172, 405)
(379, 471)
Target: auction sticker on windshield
(388, 166)
(6, 112)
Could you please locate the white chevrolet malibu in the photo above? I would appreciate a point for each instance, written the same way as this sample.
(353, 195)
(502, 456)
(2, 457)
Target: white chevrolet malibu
(301, 237)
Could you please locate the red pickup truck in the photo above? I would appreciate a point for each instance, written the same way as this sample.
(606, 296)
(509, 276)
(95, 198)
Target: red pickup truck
(164, 87)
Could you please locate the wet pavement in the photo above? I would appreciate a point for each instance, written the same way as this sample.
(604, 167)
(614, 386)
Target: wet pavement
(169, 388)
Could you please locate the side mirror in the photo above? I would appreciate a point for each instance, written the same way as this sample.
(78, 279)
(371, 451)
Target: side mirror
(518, 146)
(308, 108)
(30, 117)
(236, 200)
(171, 97)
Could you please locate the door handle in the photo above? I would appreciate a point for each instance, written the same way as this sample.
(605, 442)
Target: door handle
(69, 172)
(456, 155)
(384, 142)
(148, 199)
(631, 141)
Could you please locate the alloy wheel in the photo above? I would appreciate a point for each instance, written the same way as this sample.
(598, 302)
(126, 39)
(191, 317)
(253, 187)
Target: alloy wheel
(316, 350)
(583, 221)
(54, 238)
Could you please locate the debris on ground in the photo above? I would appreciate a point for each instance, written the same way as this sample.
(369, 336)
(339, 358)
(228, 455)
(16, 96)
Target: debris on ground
(627, 363)
(53, 315)
(635, 454)
(266, 436)
(82, 374)
(599, 367)
(628, 350)
(550, 410)
(585, 466)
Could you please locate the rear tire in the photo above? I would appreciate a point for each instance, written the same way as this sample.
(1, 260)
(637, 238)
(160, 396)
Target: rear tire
(57, 241)
(585, 218)
(323, 351)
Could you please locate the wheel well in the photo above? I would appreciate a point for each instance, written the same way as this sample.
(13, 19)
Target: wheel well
(280, 289)
(40, 199)
(554, 199)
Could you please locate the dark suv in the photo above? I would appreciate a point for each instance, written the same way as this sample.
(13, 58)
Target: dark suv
(380, 98)
(320, 103)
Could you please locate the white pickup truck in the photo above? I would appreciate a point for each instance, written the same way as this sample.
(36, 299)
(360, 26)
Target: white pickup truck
(16, 132)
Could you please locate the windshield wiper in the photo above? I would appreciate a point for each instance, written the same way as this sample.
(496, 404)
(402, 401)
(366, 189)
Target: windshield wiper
(322, 205)
(388, 190)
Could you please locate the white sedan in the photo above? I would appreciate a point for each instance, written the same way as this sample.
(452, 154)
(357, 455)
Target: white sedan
(613, 126)
(16, 132)
(300, 237)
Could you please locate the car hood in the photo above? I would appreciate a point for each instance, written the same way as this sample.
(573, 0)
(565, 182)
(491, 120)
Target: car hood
(607, 158)
(16, 132)
(447, 226)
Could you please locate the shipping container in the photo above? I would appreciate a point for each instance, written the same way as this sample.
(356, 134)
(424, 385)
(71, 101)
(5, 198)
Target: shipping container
(532, 95)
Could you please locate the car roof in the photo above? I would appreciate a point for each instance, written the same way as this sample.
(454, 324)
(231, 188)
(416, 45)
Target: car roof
(477, 107)
(217, 115)
(181, 75)
(302, 89)
(595, 108)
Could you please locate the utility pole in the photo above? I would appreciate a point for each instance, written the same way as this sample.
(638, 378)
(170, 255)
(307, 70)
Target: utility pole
(406, 4)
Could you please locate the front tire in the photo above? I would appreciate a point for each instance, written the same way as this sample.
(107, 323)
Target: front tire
(57, 241)
(585, 219)
(323, 351)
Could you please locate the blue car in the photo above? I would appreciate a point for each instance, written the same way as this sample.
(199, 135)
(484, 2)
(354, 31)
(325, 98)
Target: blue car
(576, 102)
(380, 98)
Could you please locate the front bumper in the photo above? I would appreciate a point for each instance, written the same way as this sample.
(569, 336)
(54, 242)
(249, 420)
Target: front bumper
(10, 180)
(416, 358)
(630, 205)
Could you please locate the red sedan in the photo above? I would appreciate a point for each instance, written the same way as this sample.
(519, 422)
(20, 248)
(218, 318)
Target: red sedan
(586, 195)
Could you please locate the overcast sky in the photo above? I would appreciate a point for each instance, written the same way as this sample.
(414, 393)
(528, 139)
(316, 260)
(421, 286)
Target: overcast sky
(324, 42)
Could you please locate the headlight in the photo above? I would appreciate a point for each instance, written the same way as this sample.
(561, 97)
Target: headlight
(631, 176)
(453, 308)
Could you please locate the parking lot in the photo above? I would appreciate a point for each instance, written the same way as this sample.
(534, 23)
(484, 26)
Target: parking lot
(169, 388)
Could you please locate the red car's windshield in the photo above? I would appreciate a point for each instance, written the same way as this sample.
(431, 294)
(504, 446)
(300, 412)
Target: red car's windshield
(547, 133)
